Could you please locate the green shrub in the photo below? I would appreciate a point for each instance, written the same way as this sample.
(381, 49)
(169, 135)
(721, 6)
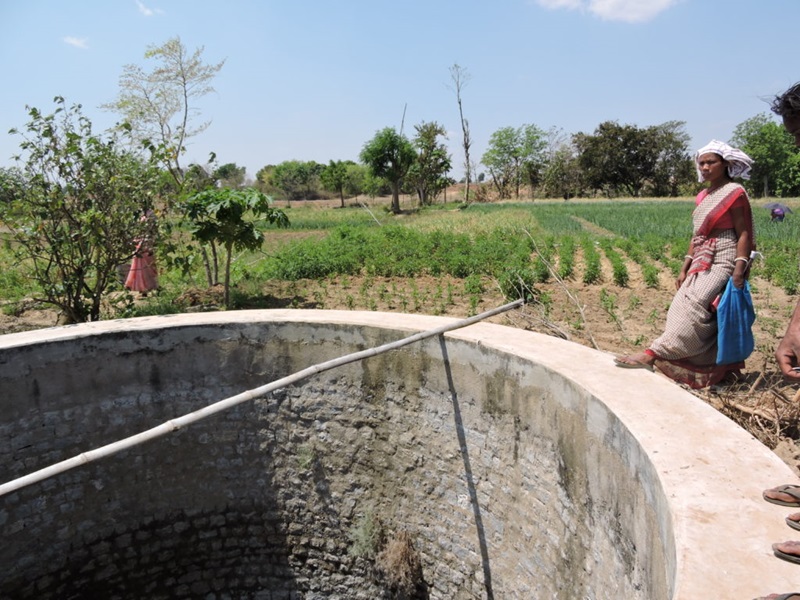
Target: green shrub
(519, 282)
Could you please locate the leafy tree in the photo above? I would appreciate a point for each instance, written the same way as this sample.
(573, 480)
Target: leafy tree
(226, 217)
(428, 174)
(12, 185)
(296, 179)
(264, 181)
(775, 157)
(389, 155)
(514, 156)
(79, 211)
(502, 160)
(617, 158)
(674, 167)
(533, 156)
(229, 175)
(355, 178)
(562, 175)
(199, 177)
(159, 104)
(375, 186)
(334, 177)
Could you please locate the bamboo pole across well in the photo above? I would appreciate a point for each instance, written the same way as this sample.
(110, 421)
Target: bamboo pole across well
(211, 409)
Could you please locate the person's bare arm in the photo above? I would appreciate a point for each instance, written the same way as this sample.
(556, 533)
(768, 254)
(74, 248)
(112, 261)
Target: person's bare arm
(743, 247)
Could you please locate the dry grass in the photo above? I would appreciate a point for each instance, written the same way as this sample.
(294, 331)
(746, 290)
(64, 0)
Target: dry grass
(400, 565)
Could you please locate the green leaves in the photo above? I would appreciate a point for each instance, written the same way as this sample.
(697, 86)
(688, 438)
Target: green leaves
(775, 157)
(227, 216)
(75, 215)
(389, 155)
(515, 156)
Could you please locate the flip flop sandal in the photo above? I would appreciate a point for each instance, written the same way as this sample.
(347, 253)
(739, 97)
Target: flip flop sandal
(789, 490)
(637, 364)
(789, 596)
(793, 524)
(794, 558)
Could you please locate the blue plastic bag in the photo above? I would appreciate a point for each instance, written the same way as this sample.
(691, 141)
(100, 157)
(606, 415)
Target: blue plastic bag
(735, 318)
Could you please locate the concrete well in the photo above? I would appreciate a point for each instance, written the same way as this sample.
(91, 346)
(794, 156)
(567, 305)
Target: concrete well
(518, 465)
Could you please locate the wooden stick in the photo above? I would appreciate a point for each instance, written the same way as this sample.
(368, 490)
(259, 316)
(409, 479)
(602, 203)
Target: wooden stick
(207, 411)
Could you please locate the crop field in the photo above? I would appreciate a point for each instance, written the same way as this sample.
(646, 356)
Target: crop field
(493, 239)
(598, 273)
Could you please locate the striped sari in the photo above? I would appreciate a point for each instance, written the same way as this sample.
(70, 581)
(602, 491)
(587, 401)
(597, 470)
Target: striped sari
(687, 349)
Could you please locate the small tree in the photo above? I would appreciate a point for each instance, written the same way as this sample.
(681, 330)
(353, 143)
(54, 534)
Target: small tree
(334, 177)
(389, 155)
(503, 158)
(355, 179)
(77, 215)
(460, 77)
(159, 104)
(230, 175)
(533, 156)
(220, 217)
(296, 179)
(428, 174)
(674, 168)
(561, 177)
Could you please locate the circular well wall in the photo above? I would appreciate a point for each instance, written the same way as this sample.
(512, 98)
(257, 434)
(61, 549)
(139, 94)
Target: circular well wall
(519, 466)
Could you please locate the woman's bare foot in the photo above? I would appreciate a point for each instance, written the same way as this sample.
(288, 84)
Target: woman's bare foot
(783, 495)
(640, 360)
(787, 551)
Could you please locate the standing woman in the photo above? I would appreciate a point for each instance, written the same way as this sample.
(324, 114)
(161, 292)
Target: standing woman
(143, 274)
(720, 249)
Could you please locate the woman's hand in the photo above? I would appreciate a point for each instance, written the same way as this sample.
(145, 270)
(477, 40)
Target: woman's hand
(738, 279)
(679, 281)
(788, 351)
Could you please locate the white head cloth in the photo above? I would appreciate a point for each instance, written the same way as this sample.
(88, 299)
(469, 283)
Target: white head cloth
(739, 164)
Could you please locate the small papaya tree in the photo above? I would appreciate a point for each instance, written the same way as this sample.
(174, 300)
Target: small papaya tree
(228, 218)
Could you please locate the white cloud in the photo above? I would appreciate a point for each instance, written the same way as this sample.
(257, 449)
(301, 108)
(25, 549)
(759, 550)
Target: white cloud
(148, 12)
(568, 4)
(77, 42)
(630, 11)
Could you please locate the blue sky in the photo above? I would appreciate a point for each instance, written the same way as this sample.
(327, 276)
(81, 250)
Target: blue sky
(314, 80)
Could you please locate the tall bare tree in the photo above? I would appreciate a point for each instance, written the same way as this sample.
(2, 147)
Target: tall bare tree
(158, 104)
(460, 77)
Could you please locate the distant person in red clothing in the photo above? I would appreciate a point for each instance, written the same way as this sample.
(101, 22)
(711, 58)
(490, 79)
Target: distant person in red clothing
(143, 275)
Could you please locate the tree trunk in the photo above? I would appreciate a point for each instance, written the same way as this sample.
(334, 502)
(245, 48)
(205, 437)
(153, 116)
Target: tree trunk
(395, 197)
(215, 263)
(207, 264)
(229, 251)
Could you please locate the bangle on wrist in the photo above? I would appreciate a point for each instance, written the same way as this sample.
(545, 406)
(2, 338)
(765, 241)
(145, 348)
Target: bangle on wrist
(689, 257)
(742, 258)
